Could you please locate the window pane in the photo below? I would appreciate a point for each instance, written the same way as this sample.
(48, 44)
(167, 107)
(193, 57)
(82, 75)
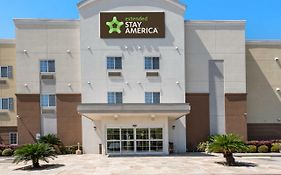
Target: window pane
(113, 134)
(119, 98)
(44, 66)
(52, 100)
(113, 147)
(148, 97)
(155, 62)
(156, 97)
(156, 146)
(142, 146)
(13, 138)
(148, 63)
(110, 63)
(127, 134)
(111, 98)
(5, 103)
(4, 71)
(44, 100)
(127, 146)
(118, 63)
(156, 133)
(142, 133)
(51, 66)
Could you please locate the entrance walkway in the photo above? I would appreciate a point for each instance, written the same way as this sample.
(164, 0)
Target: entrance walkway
(182, 164)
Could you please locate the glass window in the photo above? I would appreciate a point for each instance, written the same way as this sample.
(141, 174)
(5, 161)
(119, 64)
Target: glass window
(4, 71)
(13, 138)
(113, 134)
(127, 133)
(151, 63)
(142, 133)
(142, 146)
(114, 63)
(5, 103)
(47, 66)
(113, 147)
(152, 97)
(156, 133)
(156, 146)
(51, 66)
(48, 100)
(115, 97)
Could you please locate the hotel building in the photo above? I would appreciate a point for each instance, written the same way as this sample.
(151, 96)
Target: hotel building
(135, 77)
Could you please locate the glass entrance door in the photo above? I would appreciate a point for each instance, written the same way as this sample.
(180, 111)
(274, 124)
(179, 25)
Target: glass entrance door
(134, 140)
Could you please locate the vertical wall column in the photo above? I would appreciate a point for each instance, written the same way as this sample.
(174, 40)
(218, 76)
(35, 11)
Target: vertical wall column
(217, 97)
(28, 109)
(48, 114)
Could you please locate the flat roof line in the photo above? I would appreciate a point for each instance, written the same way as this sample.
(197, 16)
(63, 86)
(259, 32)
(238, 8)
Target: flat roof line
(7, 41)
(263, 42)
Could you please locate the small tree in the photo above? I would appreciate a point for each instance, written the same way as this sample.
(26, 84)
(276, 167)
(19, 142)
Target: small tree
(227, 144)
(34, 153)
(51, 139)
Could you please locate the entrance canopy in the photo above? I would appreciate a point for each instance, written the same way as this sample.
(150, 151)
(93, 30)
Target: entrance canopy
(98, 111)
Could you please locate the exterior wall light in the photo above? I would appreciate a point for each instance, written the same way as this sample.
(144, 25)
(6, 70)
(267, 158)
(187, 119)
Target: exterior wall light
(69, 85)
(177, 82)
(126, 47)
(89, 48)
(278, 89)
(68, 51)
(126, 82)
(177, 48)
(139, 47)
(173, 127)
(25, 51)
(25, 85)
(89, 83)
(276, 58)
(138, 82)
(115, 117)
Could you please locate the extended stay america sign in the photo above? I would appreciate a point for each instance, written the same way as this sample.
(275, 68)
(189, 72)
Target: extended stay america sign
(132, 25)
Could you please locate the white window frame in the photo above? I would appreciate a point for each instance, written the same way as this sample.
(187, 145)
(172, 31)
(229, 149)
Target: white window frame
(152, 63)
(1, 103)
(115, 97)
(114, 63)
(153, 97)
(48, 106)
(10, 140)
(48, 71)
(149, 140)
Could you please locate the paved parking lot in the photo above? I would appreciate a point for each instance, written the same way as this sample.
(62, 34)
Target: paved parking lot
(183, 164)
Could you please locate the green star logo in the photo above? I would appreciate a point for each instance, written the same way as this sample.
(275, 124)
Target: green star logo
(114, 25)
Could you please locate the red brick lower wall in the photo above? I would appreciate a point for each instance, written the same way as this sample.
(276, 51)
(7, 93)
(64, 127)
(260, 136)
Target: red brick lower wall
(235, 110)
(4, 133)
(29, 121)
(264, 131)
(198, 121)
(69, 123)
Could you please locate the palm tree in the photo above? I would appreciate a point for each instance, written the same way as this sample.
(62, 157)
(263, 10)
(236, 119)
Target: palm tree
(51, 139)
(227, 144)
(34, 153)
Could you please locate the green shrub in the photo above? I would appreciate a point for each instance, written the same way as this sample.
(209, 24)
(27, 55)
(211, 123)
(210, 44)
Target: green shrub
(227, 144)
(34, 153)
(71, 149)
(51, 139)
(263, 149)
(252, 149)
(202, 146)
(7, 152)
(275, 148)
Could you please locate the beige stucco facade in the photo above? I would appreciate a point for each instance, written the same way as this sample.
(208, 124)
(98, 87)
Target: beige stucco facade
(263, 63)
(8, 86)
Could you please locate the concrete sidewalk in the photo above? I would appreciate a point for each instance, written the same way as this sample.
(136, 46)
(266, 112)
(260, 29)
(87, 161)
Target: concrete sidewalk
(150, 165)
